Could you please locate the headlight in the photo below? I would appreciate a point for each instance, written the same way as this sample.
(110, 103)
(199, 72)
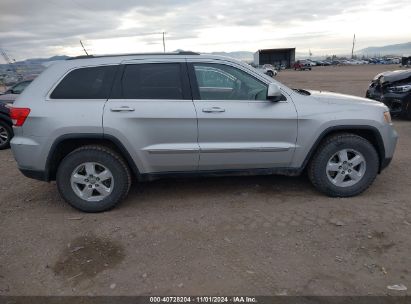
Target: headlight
(387, 117)
(400, 89)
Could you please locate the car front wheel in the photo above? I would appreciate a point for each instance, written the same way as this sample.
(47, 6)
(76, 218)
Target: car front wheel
(344, 165)
(93, 179)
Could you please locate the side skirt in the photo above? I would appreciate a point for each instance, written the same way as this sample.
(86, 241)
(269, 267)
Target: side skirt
(216, 173)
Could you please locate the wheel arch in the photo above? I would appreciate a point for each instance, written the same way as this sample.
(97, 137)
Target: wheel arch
(66, 144)
(5, 118)
(368, 132)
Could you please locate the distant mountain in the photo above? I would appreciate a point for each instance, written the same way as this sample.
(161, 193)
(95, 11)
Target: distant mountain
(402, 49)
(42, 60)
(37, 61)
(240, 55)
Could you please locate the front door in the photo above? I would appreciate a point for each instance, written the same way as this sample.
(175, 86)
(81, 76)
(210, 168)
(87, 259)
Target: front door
(238, 127)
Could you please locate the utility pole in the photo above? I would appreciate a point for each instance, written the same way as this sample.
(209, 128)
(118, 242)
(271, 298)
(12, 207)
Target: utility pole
(85, 51)
(164, 42)
(353, 46)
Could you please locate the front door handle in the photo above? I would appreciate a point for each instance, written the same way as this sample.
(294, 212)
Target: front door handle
(122, 109)
(213, 110)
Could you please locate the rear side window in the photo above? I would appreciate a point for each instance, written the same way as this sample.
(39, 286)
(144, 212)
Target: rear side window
(86, 83)
(152, 81)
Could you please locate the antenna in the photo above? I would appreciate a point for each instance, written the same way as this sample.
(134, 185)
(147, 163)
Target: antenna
(353, 46)
(85, 51)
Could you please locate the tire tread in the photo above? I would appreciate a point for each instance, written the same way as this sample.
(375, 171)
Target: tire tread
(313, 165)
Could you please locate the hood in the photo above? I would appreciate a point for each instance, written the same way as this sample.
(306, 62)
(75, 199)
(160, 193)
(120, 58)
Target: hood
(336, 98)
(393, 76)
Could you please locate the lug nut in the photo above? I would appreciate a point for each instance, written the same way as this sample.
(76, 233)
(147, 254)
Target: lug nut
(97, 179)
(349, 171)
(343, 172)
(90, 186)
(339, 167)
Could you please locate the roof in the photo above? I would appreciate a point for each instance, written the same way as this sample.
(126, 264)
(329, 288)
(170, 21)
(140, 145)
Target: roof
(136, 54)
(276, 50)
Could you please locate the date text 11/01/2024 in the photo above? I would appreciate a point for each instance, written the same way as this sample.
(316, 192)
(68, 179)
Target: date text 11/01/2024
(239, 299)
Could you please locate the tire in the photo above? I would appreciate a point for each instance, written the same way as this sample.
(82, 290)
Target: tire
(6, 134)
(110, 170)
(408, 111)
(270, 73)
(326, 167)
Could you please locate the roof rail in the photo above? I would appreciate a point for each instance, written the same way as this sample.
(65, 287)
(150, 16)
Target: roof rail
(134, 54)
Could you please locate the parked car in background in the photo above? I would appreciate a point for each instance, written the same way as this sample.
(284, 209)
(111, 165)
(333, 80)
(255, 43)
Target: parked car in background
(302, 65)
(268, 69)
(11, 94)
(393, 88)
(6, 130)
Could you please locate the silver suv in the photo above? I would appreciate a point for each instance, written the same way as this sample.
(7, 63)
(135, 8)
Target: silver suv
(91, 123)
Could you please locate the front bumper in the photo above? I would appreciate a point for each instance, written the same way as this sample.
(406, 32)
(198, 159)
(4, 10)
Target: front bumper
(397, 103)
(390, 138)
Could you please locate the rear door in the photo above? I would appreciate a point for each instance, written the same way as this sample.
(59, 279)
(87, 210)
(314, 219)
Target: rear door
(152, 113)
(238, 127)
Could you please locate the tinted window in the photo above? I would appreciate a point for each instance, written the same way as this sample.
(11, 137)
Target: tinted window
(152, 81)
(223, 82)
(86, 83)
(19, 88)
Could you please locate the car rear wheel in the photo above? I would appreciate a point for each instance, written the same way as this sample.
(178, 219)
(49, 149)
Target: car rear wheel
(270, 73)
(93, 179)
(6, 133)
(344, 165)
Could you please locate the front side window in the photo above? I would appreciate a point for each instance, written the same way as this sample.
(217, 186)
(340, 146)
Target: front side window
(152, 81)
(223, 82)
(86, 83)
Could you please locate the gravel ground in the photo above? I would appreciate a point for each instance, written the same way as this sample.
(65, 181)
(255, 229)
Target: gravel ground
(267, 235)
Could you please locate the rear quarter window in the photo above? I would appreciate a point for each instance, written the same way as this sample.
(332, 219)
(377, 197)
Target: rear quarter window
(86, 83)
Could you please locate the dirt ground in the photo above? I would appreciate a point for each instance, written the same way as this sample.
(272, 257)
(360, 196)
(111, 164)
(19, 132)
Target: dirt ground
(268, 235)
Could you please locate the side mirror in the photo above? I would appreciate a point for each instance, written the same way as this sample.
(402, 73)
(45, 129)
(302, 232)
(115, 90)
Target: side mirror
(274, 92)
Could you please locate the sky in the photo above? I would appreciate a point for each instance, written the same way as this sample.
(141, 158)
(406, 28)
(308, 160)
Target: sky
(43, 28)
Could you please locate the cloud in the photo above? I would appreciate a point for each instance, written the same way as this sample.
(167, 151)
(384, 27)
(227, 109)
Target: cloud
(31, 28)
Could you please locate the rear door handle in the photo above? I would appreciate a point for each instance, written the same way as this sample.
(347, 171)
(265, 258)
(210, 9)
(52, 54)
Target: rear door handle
(122, 109)
(213, 110)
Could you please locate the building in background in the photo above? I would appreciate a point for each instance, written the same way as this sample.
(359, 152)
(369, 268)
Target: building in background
(276, 57)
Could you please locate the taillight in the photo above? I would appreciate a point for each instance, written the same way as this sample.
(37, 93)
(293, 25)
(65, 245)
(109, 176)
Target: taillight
(18, 115)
